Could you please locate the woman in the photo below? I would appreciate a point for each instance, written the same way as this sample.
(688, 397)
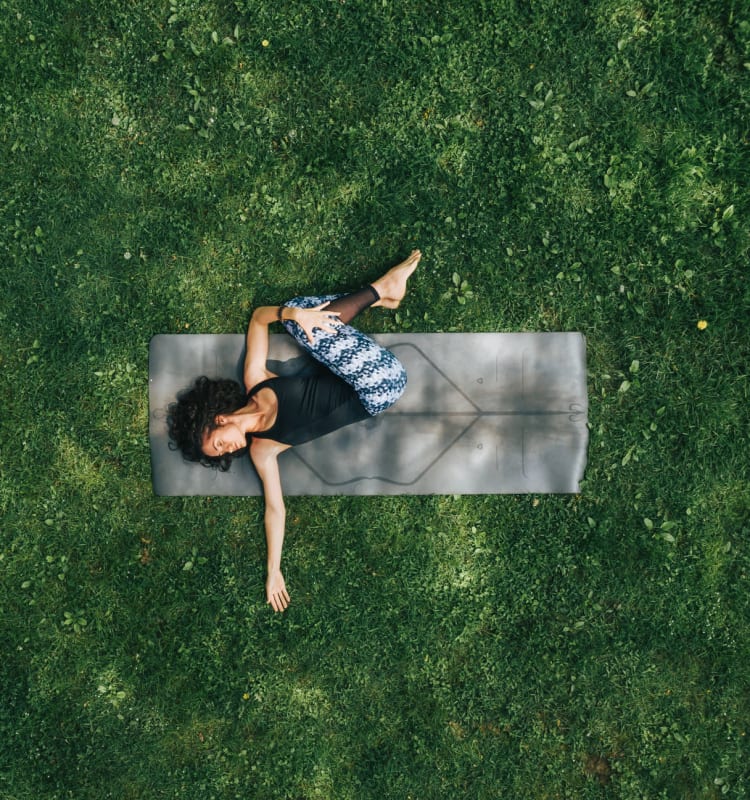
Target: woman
(213, 421)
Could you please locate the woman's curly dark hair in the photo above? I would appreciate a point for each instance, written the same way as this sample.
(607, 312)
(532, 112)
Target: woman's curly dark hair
(194, 415)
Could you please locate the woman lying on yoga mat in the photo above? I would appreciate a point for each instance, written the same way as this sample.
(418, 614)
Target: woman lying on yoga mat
(214, 420)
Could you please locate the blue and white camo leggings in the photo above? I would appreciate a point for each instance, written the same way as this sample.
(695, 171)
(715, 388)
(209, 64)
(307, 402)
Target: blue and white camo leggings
(375, 374)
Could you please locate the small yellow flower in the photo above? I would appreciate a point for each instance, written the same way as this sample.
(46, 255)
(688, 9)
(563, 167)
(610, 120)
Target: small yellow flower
(702, 324)
(265, 43)
(246, 696)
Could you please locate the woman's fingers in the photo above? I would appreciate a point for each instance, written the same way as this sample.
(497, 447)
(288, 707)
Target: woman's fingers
(318, 318)
(279, 600)
(276, 593)
(319, 312)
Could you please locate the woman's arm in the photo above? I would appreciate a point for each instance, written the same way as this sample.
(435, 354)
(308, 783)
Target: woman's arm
(265, 460)
(257, 334)
(257, 345)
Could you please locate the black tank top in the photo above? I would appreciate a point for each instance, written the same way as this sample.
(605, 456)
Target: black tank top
(309, 407)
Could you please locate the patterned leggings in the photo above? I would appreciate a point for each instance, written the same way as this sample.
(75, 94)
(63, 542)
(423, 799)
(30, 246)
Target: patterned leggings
(375, 374)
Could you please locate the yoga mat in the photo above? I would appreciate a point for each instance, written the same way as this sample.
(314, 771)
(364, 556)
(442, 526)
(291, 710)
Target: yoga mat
(483, 413)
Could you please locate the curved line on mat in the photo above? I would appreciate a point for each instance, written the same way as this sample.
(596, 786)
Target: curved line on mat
(380, 478)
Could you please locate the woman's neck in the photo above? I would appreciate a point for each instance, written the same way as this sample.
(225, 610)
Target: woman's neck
(252, 417)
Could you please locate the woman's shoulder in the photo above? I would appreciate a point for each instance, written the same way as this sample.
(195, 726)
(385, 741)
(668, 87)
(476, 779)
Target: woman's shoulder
(262, 384)
(261, 450)
(255, 376)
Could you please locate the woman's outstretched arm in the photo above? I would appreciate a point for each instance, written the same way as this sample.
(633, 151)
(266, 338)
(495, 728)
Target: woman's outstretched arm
(264, 455)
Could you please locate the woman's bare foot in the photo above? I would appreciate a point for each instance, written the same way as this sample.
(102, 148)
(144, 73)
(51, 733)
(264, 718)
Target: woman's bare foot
(392, 286)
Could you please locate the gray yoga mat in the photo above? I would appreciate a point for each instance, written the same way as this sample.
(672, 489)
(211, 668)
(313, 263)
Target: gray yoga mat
(483, 413)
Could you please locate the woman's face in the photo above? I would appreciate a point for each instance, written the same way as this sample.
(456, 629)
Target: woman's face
(226, 438)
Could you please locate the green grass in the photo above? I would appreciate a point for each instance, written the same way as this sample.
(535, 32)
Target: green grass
(583, 166)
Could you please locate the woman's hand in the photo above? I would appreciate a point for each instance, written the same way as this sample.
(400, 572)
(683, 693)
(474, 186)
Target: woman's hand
(310, 318)
(276, 593)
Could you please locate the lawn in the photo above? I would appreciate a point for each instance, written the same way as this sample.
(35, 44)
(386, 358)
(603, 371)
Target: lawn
(563, 165)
